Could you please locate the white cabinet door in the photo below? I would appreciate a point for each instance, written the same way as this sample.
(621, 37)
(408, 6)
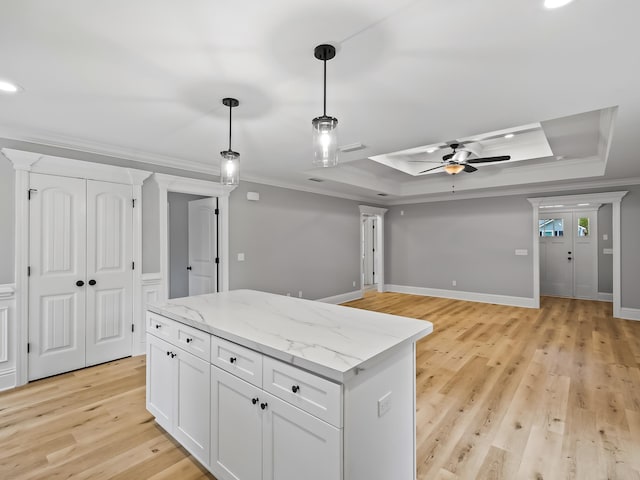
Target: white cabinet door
(191, 389)
(160, 381)
(297, 445)
(109, 271)
(57, 280)
(202, 246)
(236, 427)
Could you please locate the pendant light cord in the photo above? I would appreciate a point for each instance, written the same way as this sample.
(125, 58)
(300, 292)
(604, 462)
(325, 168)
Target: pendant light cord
(230, 108)
(325, 89)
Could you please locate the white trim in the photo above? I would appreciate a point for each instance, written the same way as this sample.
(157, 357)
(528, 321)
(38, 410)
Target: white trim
(605, 297)
(7, 379)
(5, 344)
(7, 291)
(367, 211)
(151, 278)
(342, 298)
(628, 313)
(467, 296)
(7, 336)
(615, 198)
(172, 183)
(149, 288)
(24, 163)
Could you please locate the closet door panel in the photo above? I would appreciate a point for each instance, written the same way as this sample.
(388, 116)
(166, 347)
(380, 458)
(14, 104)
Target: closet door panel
(57, 282)
(109, 271)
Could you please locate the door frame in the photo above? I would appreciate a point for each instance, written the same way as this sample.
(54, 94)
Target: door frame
(568, 202)
(171, 183)
(368, 211)
(24, 163)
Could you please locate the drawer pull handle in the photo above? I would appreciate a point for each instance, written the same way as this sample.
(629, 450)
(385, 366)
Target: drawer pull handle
(295, 388)
(263, 406)
(233, 360)
(158, 325)
(254, 400)
(189, 340)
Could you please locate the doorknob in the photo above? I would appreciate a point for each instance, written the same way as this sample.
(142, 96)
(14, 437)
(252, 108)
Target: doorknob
(189, 267)
(569, 258)
(79, 283)
(92, 282)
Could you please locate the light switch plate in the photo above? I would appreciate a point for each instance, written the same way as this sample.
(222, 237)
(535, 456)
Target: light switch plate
(241, 257)
(522, 252)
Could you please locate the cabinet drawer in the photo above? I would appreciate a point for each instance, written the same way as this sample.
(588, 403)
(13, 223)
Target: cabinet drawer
(321, 398)
(238, 360)
(160, 326)
(193, 340)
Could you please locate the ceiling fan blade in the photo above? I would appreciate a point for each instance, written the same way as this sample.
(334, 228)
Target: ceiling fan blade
(448, 156)
(429, 169)
(423, 161)
(489, 159)
(470, 169)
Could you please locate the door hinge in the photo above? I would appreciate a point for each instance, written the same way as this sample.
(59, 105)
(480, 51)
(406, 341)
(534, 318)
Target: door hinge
(217, 211)
(217, 259)
(133, 265)
(132, 327)
(29, 192)
(133, 203)
(28, 347)
(28, 271)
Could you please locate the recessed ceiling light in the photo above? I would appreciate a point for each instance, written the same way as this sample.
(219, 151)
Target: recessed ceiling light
(431, 150)
(509, 135)
(556, 3)
(8, 87)
(560, 157)
(583, 204)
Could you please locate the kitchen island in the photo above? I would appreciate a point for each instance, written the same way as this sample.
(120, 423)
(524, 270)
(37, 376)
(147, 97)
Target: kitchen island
(263, 386)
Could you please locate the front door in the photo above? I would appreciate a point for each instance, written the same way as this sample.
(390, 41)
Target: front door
(556, 254)
(202, 246)
(57, 282)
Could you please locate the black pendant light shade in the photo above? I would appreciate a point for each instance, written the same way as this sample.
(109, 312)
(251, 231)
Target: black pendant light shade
(230, 162)
(325, 139)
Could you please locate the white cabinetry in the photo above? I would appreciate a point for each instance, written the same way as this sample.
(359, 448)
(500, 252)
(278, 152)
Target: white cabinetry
(178, 393)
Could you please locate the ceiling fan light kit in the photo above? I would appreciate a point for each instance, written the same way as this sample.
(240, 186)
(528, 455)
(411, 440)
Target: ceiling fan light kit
(458, 160)
(230, 162)
(325, 138)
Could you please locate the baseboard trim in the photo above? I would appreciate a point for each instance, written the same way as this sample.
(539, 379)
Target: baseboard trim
(342, 298)
(468, 296)
(629, 313)
(605, 297)
(7, 380)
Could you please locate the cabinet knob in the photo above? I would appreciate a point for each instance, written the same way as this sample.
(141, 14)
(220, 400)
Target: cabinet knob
(295, 388)
(92, 282)
(173, 355)
(79, 283)
(158, 325)
(189, 340)
(255, 400)
(168, 353)
(263, 406)
(233, 360)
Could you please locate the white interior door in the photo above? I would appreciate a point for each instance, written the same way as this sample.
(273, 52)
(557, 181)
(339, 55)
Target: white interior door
(109, 271)
(585, 260)
(57, 283)
(556, 254)
(368, 250)
(202, 246)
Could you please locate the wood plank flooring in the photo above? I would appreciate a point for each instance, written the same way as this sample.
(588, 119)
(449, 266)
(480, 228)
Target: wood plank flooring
(503, 393)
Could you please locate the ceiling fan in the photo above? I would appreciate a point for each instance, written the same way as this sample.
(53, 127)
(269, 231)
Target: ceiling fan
(458, 160)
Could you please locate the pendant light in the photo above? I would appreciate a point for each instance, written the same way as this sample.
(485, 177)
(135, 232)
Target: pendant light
(230, 162)
(325, 139)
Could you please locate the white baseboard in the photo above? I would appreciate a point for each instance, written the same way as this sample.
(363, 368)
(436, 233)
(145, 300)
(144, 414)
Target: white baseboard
(629, 313)
(7, 379)
(605, 297)
(468, 296)
(343, 297)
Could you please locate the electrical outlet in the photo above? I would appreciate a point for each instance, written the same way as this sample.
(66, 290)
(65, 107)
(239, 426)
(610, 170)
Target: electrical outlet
(241, 257)
(300, 294)
(453, 283)
(401, 213)
(384, 404)
(354, 283)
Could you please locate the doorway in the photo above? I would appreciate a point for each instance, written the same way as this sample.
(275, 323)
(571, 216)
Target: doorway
(193, 244)
(569, 252)
(371, 248)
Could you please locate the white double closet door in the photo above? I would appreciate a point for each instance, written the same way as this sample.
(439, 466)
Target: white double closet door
(81, 279)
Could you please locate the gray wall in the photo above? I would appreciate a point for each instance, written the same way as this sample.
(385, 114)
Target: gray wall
(179, 242)
(470, 241)
(605, 262)
(294, 241)
(630, 248)
(7, 180)
(150, 227)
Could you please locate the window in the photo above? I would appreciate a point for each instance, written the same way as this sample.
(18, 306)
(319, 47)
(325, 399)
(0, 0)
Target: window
(551, 227)
(583, 227)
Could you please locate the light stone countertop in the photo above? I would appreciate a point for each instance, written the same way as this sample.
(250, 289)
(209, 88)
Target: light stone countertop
(329, 340)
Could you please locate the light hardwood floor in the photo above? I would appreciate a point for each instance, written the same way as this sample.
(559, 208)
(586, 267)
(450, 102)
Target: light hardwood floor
(503, 393)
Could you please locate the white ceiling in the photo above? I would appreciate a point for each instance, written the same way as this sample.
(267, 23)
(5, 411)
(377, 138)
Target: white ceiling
(143, 80)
